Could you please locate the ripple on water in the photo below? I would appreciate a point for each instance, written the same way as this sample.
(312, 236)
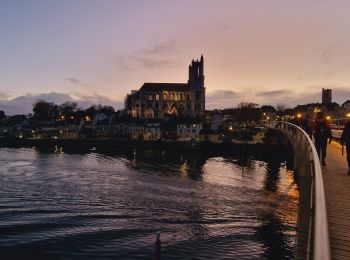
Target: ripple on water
(99, 206)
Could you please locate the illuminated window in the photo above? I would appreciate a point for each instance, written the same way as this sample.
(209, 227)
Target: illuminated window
(165, 96)
(150, 98)
(157, 97)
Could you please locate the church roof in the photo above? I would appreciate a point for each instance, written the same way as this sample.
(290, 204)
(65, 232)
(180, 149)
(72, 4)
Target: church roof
(153, 87)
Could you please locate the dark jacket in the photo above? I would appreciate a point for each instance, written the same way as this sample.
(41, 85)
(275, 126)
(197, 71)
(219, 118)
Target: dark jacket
(345, 136)
(322, 129)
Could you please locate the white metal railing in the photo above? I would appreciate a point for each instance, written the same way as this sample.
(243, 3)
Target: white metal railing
(321, 247)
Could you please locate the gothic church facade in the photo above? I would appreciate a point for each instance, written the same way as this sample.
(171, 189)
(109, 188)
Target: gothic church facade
(159, 100)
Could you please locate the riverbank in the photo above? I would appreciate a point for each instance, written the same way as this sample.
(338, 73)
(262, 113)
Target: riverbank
(270, 145)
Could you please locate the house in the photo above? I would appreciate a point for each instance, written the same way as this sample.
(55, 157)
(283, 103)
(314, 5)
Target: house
(346, 105)
(216, 119)
(68, 128)
(210, 135)
(188, 129)
(147, 130)
(15, 126)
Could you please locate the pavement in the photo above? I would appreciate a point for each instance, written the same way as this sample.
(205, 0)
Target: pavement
(337, 188)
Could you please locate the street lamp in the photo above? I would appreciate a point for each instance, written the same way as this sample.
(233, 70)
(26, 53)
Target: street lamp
(328, 117)
(298, 115)
(348, 115)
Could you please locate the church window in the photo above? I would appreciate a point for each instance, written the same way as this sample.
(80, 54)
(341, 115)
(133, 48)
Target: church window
(165, 96)
(157, 97)
(150, 98)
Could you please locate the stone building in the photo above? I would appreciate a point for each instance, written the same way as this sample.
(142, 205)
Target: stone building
(158, 100)
(326, 96)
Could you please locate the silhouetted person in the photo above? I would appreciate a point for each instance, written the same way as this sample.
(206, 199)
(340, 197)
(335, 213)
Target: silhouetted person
(345, 140)
(308, 125)
(322, 133)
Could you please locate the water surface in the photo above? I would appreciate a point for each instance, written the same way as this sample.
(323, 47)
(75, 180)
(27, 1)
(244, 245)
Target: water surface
(88, 206)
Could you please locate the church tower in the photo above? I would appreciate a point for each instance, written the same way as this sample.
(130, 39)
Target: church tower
(197, 89)
(196, 73)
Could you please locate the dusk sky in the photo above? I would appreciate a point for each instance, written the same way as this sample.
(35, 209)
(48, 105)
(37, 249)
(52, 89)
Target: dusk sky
(262, 51)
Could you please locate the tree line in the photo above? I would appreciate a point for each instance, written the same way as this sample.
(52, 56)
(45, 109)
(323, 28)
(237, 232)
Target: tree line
(43, 110)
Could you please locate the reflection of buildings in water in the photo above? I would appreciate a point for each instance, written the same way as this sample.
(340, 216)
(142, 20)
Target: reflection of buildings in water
(272, 175)
(279, 225)
(187, 164)
(276, 237)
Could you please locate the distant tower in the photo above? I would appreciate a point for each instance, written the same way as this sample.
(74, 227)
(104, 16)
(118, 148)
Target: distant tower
(197, 89)
(326, 96)
(196, 73)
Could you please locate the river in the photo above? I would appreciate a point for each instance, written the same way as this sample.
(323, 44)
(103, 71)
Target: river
(110, 206)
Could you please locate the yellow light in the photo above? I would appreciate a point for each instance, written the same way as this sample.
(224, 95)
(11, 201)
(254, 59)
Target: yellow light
(328, 117)
(268, 118)
(230, 127)
(62, 117)
(299, 115)
(348, 115)
(72, 117)
(87, 118)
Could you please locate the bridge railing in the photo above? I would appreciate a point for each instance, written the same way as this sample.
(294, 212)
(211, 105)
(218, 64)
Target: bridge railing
(308, 167)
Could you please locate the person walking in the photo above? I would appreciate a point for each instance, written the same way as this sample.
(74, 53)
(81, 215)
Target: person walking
(322, 134)
(345, 140)
(308, 125)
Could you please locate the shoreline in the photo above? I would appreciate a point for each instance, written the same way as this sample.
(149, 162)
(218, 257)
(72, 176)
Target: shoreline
(85, 145)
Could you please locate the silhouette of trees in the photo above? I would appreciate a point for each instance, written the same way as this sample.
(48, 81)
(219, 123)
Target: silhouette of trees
(44, 110)
(2, 115)
(68, 109)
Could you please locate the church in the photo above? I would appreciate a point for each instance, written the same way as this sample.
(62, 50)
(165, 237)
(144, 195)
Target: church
(159, 100)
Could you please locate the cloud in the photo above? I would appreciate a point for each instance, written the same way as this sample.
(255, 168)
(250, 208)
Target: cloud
(329, 52)
(271, 93)
(221, 99)
(4, 95)
(79, 82)
(24, 104)
(223, 26)
(164, 54)
(161, 48)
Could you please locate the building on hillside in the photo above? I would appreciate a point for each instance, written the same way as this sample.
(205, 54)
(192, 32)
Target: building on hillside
(216, 119)
(346, 105)
(326, 96)
(159, 100)
(188, 129)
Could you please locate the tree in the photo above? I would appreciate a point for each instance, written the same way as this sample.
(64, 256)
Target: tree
(91, 111)
(108, 110)
(43, 110)
(2, 115)
(68, 109)
(267, 108)
(247, 112)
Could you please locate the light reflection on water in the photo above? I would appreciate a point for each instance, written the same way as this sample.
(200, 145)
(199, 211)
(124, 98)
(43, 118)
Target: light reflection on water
(111, 206)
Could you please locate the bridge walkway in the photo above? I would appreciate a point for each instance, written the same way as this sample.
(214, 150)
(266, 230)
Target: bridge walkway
(337, 191)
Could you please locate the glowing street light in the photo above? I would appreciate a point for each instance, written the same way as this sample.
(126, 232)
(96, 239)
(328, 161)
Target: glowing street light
(298, 115)
(348, 115)
(328, 117)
